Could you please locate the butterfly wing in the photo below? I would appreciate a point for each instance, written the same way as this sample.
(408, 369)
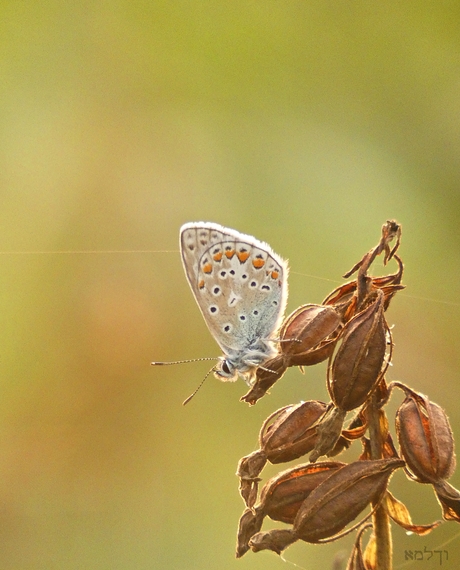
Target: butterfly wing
(239, 283)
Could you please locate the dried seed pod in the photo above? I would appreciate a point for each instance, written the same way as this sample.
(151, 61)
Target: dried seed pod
(319, 354)
(290, 432)
(359, 364)
(332, 505)
(281, 498)
(287, 434)
(307, 337)
(425, 438)
(308, 333)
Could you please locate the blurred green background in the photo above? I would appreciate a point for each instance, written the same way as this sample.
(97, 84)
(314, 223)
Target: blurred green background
(304, 123)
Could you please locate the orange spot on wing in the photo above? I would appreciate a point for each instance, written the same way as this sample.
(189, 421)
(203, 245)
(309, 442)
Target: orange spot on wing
(207, 268)
(275, 274)
(230, 253)
(217, 256)
(258, 263)
(242, 256)
(201, 284)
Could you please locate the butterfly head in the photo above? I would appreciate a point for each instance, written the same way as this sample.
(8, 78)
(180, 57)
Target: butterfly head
(244, 363)
(225, 370)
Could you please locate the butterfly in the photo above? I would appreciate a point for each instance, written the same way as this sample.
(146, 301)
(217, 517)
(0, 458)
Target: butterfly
(240, 285)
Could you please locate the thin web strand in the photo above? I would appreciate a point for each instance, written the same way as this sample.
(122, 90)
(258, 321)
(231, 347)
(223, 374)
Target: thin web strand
(88, 251)
(122, 251)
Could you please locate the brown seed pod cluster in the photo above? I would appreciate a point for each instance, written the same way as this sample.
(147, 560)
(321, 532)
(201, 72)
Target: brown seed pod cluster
(319, 499)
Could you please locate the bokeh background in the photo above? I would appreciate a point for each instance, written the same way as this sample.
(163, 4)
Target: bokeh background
(304, 123)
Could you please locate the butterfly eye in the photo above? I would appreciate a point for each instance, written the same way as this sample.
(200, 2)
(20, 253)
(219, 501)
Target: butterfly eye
(225, 367)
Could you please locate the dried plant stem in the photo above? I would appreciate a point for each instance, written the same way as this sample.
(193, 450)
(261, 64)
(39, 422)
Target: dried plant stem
(381, 520)
(321, 498)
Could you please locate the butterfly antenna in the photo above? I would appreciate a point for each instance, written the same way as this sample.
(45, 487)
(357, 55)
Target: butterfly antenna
(267, 369)
(183, 361)
(187, 400)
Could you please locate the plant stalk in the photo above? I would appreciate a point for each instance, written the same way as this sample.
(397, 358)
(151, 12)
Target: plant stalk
(381, 520)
